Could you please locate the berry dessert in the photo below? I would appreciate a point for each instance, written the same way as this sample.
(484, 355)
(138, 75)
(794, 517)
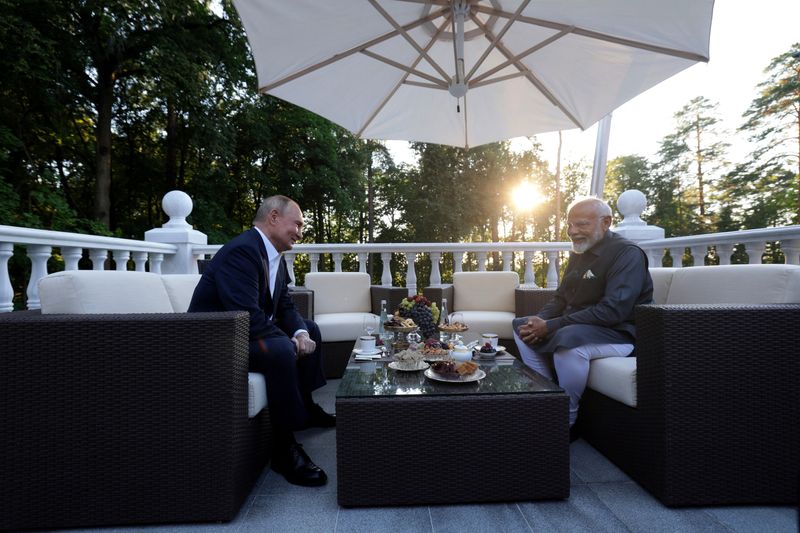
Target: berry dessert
(487, 349)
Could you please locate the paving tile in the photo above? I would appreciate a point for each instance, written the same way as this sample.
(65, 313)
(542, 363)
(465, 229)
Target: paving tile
(489, 518)
(374, 519)
(591, 466)
(583, 511)
(641, 512)
(752, 519)
(283, 512)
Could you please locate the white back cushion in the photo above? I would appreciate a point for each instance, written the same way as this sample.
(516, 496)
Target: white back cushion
(662, 279)
(103, 291)
(180, 288)
(741, 284)
(484, 291)
(340, 292)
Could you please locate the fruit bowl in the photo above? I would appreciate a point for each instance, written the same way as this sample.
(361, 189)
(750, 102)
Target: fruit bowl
(486, 351)
(454, 328)
(400, 329)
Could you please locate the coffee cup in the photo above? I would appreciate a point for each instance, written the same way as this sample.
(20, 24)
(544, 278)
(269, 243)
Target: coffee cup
(367, 343)
(491, 338)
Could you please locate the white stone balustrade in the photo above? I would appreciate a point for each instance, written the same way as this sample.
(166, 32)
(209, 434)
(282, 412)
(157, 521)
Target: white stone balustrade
(527, 257)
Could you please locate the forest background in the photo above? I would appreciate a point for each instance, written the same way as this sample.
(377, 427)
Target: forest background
(108, 105)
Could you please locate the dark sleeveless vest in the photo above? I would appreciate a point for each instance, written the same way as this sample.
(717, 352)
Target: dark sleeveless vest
(584, 280)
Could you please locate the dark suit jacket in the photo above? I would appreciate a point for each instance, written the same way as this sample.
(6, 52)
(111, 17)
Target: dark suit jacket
(237, 279)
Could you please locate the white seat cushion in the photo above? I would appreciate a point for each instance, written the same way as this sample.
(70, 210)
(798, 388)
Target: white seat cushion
(735, 284)
(339, 292)
(335, 327)
(487, 322)
(256, 393)
(103, 291)
(484, 291)
(614, 377)
(180, 288)
(662, 279)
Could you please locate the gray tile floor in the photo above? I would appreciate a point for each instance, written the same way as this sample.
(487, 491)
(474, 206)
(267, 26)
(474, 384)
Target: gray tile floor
(602, 498)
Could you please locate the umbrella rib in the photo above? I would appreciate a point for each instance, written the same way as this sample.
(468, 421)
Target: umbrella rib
(497, 38)
(528, 74)
(518, 57)
(409, 70)
(402, 31)
(316, 66)
(594, 34)
(404, 79)
(498, 79)
(423, 84)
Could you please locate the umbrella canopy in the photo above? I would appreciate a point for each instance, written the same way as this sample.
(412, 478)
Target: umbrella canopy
(469, 72)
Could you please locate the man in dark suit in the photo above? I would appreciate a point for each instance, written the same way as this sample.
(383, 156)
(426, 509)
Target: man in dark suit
(591, 314)
(250, 274)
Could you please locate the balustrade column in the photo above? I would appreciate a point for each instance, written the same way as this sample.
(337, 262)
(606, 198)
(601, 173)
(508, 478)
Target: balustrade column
(121, 259)
(791, 249)
(481, 261)
(289, 259)
(754, 250)
(386, 275)
(337, 261)
(508, 259)
(724, 252)
(313, 259)
(436, 275)
(98, 257)
(155, 263)
(458, 264)
(677, 257)
(530, 278)
(139, 260)
(552, 271)
(6, 289)
(699, 255)
(362, 261)
(411, 273)
(654, 258)
(38, 255)
(71, 257)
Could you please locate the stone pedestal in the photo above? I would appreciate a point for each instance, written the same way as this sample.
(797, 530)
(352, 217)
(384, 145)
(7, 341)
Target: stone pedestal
(177, 231)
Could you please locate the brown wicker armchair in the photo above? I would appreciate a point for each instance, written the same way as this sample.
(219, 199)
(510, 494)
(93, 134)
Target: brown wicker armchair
(125, 419)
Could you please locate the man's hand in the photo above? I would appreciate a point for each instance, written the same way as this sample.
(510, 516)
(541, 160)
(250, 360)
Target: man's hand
(533, 331)
(304, 345)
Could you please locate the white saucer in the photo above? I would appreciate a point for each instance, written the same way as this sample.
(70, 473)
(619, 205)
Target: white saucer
(375, 351)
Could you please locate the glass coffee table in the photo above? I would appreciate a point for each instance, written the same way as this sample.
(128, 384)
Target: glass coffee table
(405, 439)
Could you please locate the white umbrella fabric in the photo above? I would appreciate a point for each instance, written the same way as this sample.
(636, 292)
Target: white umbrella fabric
(469, 72)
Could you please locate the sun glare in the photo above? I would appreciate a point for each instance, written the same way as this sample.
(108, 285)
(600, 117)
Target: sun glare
(525, 196)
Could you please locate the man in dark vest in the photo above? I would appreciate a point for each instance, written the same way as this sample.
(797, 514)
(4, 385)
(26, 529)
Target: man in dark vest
(250, 274)
(591, 315)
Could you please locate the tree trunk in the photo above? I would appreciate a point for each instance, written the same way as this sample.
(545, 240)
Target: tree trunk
(701, 196)
(171, 163)
(105, 100)
(558, 189)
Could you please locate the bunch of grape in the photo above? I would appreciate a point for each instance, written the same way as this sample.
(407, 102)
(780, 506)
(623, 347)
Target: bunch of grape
(423, 312)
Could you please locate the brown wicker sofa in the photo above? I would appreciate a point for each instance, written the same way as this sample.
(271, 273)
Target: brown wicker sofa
(126, 418)
(707, 411)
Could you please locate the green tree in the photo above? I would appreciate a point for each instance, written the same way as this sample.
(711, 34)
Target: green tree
(773, 120)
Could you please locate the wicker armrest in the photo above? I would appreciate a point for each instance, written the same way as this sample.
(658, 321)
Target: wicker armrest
(436, 294)
(528, 302)
(303, 300)
(392, 295)
(132, 416)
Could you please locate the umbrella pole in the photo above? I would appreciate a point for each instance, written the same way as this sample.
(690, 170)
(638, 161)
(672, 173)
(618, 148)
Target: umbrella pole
(600, 157)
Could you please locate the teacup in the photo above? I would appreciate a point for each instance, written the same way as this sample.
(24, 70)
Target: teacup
(367, 343)
(491, 338)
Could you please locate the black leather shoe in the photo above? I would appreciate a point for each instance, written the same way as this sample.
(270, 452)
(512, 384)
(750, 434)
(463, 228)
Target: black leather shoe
(297, 467)
(318, 418)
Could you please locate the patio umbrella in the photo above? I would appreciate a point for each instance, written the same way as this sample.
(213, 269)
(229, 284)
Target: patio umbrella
(469, 72)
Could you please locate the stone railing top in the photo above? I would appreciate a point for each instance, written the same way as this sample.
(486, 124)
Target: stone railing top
(728, 237)
(19, 235)
(379, 247)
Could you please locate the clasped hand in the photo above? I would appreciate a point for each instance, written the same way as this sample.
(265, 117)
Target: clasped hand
(533, 331)
(303, 344)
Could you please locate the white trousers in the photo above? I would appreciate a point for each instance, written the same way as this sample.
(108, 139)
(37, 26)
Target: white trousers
(572, 366)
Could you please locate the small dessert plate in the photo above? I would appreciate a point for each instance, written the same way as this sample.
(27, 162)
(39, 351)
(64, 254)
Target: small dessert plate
(395, 365)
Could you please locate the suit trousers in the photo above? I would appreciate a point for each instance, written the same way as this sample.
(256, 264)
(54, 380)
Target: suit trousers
(289, 378)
